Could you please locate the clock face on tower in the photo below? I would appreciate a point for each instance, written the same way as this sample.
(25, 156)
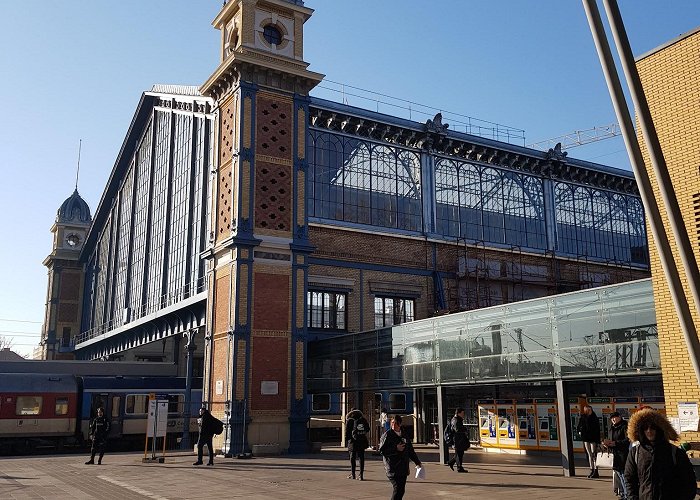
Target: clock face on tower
(73, 240)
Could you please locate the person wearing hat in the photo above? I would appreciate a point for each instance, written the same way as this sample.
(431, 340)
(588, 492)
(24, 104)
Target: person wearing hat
(619, 444)
(656, 469)
(207, 428)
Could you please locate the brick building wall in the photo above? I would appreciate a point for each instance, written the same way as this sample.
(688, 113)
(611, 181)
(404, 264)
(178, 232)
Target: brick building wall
(670, 80)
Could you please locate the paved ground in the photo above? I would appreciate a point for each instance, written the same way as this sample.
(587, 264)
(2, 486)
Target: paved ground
(319, 476)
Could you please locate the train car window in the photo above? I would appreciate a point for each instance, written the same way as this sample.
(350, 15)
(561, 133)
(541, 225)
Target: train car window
(397, 401)
(115, 406)
(61, 406)
(175, 403)
(28, 405)
(136, 404)
(320, 402)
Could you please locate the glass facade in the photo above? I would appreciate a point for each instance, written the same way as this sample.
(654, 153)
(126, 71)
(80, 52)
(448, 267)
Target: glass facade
(603, 332)
(359, 181)
(148, 253)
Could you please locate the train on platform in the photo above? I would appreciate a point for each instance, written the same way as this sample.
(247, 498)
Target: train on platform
(328, 411)
(41, 411)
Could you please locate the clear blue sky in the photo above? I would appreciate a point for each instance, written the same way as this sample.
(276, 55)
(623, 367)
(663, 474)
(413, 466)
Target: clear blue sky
(75, 70)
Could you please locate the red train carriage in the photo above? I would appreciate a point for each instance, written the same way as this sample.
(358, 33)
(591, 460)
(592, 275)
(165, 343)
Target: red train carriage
(37, 410)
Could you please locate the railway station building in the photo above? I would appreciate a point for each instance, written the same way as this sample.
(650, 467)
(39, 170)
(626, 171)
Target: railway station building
(245, 220)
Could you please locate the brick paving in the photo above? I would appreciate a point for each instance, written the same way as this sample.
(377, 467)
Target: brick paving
(318, 476)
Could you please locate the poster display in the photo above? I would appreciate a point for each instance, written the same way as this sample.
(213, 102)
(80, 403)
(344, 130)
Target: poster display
(626, 407)
(487, 423)
(656, 403)
(507, 424)
(602, 407)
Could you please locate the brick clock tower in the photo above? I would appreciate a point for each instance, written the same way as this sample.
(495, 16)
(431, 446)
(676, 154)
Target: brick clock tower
(65, 288)
(255, 374)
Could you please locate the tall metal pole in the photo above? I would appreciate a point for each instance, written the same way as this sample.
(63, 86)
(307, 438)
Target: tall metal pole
(186, 414)
(646, 191)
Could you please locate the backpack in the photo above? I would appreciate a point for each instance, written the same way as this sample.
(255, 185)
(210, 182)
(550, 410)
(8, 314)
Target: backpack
(449, 436)
(218, 426)
(359, 431)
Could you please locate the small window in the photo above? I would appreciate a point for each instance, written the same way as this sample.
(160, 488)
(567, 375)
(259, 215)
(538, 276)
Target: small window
(326, 310)
(389, 311)
(175, 403)
(320, 402)
(397, 401)
(272, 34)
(116, 400)
(136, 404)
(61, 406)
(28, 405)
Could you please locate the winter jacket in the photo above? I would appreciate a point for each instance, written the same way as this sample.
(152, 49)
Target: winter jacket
(461, 433)
(207, 425)
(589, 427)
(395, 461)
(658, 470)
(99, 429)
(357, 431)
(618, 434)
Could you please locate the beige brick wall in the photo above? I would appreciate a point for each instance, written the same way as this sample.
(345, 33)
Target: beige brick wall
(670, 79)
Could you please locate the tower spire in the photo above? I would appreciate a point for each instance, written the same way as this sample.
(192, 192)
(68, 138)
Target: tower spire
(77, 173)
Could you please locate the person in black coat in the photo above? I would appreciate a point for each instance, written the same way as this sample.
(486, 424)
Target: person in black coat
(655, 468)
(461, 442)
(99, 430)
(619, 444)
(207, 426)
(396, 451)
(589, 427)
(357, 428)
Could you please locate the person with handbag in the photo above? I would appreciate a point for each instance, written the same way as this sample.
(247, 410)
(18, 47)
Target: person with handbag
(589, 428)
(619, 444)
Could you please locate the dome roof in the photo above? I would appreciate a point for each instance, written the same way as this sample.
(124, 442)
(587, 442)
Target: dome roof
(74, 209)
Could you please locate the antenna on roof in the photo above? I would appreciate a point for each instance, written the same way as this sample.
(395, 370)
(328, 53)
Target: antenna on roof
(77, 173)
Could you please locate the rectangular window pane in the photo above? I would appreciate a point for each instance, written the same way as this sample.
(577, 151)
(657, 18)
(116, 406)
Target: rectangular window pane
(378, 312)
(116, 400)
(61, 406)
(321, 402)
(136, 404)
(326, 310)
(28, 405)
(397, 401)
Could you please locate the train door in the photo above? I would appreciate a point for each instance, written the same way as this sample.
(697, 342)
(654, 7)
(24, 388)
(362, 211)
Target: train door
(115, 415)
(99, 400)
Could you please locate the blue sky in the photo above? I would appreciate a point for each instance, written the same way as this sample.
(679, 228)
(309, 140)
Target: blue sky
(76, 69)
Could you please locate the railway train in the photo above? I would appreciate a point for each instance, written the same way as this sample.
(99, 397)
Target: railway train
(328, 412)
(40, 410)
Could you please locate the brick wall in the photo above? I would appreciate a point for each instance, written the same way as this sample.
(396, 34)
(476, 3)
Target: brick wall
(670, 80)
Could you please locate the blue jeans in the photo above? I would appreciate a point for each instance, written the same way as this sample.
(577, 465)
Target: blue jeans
(619, 484)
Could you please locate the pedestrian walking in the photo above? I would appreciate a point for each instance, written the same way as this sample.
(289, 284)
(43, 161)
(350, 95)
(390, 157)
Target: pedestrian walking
(99, 430)
(207, 428)
(619, 444)
(461, 440)
(656, 469)
(396, 451)
(589, 428)
(357, 428)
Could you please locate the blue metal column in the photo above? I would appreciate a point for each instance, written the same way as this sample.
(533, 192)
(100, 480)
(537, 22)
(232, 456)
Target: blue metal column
(186, 414)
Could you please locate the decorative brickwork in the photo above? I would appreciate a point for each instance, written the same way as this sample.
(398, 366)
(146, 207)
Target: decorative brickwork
(670, 80)
(299, 394)
(270, 357)
(228, 126)
(301, 134)
(271, 302)
(70, 286)
(247, 118)
(224, 203)
(273, 195)
(222, 302)
(242, 301)
(240, 370)
(301, 313)
(67, 313)
(273, 126)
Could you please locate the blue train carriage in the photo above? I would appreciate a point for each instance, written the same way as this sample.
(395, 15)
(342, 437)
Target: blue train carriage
(327, 413)
(125, 401)
(38, 410)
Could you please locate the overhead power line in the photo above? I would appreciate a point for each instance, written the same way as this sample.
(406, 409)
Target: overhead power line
(20, 321)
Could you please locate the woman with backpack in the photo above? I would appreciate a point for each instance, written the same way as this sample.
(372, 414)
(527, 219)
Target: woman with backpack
(656, 469)
(357, 428)
(208, 426)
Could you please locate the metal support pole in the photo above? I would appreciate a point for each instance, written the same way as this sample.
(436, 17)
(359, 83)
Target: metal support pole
(651, 208)
(187, 410)
(444, 450)
(566, 440)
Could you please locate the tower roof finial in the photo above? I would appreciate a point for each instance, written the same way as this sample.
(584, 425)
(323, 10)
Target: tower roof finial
(77, 173)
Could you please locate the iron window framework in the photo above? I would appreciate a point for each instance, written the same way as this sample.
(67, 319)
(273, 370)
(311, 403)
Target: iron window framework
(390, 311)
(327, 310)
